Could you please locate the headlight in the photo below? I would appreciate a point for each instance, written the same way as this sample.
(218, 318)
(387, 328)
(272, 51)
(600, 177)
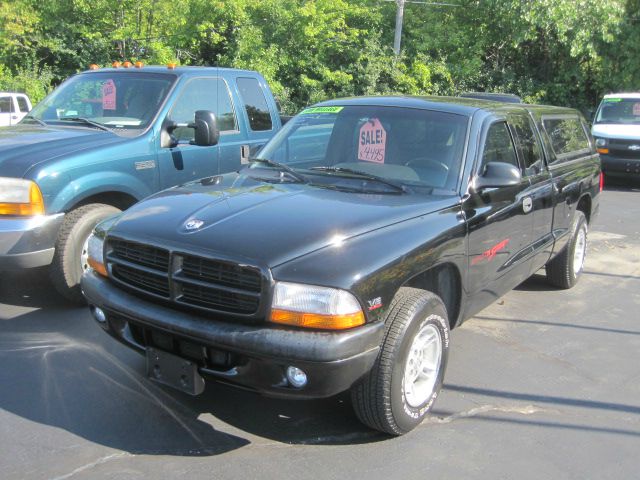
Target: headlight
(20, 197)
(602, 145)
(95, 251)
(315, 307)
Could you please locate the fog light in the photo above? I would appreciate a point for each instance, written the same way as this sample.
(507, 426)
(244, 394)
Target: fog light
(296, 377)
(99, 314)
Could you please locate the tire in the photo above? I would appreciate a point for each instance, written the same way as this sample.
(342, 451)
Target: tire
(564, 270)
(66, 269)
(382, 399)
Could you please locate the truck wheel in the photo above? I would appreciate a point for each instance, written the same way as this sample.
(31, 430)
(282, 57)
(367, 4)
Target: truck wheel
(564, 270)
(407, 376)
(70, 257)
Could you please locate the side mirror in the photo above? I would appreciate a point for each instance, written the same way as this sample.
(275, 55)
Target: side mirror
(206, 126)
(498, 174)
(206, 130)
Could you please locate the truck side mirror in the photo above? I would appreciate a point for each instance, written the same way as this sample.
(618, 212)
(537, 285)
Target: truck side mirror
(205, 125)
(498, 174)
(206, 128)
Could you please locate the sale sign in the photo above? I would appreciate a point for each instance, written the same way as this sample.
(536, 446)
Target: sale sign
(109, 95)
(372, 141)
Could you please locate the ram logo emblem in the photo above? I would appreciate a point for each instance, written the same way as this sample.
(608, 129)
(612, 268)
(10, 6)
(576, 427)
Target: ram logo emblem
(193, 224)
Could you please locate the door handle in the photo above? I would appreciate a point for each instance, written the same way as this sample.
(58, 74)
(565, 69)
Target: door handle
(245, 153)
(14, 117)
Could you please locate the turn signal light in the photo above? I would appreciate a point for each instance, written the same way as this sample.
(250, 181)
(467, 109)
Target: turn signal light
(139, 64)
(314, 320)
(34, 207)
(98, 267)
(127, 64)
(603, 150)
(93, 66)
(171, 66)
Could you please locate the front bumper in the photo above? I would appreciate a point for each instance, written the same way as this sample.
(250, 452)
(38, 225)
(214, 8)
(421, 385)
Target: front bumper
(257, 355)
(28, 242)
(620, 167)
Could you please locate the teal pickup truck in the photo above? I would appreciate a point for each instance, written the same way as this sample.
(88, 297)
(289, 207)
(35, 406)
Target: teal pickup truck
(107, 138)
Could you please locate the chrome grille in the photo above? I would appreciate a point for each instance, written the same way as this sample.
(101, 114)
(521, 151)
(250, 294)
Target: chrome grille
(185, 279)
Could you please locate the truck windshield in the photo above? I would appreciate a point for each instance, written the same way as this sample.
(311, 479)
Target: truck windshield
(619, 110)
(118, 101)
(412, 147)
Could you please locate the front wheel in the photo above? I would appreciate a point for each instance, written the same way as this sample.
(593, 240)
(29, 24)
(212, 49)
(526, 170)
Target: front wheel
(70, 257)
(566, 267)
(407, 377)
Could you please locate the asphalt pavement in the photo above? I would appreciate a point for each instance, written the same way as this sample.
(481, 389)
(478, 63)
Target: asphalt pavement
(544, 384)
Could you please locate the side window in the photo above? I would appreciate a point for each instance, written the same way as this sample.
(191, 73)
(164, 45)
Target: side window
(203, 94)
(5, 105)
(498, 147)
(22, 104)
(528, 144)
(255, 104)
(567, 136)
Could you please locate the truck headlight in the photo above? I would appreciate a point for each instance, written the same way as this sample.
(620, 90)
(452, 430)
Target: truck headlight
(312, 306)
(602, 145)
(95, 252)
(19, 197)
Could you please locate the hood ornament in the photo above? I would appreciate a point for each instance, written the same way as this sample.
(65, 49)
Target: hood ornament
(193, 224)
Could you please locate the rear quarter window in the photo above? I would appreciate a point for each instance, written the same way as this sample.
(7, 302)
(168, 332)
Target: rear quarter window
(567, 137)
(255, 104)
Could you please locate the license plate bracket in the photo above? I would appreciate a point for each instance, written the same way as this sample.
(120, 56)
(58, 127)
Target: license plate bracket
(173, 371)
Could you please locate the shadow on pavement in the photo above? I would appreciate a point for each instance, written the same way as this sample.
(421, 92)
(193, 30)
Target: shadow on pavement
(60, 369)
(32, 289)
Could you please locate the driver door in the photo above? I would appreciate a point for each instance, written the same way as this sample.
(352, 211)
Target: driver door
(500, 226)
(189, 162)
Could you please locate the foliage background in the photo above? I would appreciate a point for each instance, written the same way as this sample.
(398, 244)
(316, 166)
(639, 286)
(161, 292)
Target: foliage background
(564, 52)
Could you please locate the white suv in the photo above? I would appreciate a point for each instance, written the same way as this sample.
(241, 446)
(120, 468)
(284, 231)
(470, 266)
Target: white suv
(616, 128)
(13, 106)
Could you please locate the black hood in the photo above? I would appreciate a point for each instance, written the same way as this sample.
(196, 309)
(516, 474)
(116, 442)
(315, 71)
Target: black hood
(25, 146)
(265, 224)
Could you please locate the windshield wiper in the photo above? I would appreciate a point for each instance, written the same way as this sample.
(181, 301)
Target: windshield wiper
(368, 176)
(280, 167)
(37, 120)
(86, 121)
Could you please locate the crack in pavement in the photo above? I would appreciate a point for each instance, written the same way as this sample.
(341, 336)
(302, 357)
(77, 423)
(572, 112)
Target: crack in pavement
(89, 466)
(526, 410)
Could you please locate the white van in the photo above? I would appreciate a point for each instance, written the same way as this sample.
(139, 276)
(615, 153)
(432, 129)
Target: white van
(13, 106)
(616, 129)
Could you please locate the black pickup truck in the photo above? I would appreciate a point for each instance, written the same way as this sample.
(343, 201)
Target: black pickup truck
(341, 256)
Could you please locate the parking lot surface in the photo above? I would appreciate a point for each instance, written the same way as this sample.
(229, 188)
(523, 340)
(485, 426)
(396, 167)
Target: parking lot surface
(544, 383)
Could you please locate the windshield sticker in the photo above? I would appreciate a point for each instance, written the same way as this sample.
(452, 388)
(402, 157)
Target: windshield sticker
(636, 109)
(109, 95)
(321, 110)
(372, 141)
(612, 99)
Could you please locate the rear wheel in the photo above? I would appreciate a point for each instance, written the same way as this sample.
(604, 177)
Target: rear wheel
(566, 267)
(407, 377)
(70, 258)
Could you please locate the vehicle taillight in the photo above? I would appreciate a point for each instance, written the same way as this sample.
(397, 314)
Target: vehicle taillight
(601, 181)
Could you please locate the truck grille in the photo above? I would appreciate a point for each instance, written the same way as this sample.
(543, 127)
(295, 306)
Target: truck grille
(184, 279)
(620, 148)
